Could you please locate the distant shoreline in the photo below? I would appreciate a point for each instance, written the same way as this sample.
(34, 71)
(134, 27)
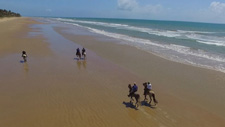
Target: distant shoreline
(216, 23)
(8, 13)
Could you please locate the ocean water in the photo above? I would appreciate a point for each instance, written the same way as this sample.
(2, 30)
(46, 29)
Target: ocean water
(198, 44)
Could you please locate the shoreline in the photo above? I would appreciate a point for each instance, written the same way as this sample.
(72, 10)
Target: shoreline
(190, 51)
(55, 89)
(177, 75)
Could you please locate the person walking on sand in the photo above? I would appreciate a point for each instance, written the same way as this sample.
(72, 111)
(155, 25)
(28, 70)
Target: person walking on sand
(24, 55)
(133, 90)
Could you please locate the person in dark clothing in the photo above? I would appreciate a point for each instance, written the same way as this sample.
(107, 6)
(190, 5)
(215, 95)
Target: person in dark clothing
(78, 53)
(132, 94)
(133, 90)
(83, 51)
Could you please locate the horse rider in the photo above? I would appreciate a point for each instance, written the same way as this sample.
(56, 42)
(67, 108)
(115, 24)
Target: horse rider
(24, 55)
(133, 90)
(78, 52)
(148, 88)
(83, 51)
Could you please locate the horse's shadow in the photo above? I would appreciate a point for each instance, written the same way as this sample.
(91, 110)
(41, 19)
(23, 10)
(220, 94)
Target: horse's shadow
(130, 105)
(21, 61)
(145, 103)
(79, 59)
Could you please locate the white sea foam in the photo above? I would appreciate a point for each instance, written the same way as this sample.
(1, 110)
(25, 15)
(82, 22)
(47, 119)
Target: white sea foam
(186, 53)
(210, 43)
(209, 40)
(179, 34)
(92, 22)
(178, 48)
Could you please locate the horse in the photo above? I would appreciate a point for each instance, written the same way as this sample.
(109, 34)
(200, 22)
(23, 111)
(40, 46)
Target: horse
(84, 54)
(150, 93)
(136, 96)
(78, 54)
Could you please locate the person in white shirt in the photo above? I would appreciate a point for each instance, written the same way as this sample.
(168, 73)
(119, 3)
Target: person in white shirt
(148, 91)
(149, 86)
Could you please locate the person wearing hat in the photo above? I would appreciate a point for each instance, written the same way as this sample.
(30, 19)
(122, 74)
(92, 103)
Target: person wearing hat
(134, 89)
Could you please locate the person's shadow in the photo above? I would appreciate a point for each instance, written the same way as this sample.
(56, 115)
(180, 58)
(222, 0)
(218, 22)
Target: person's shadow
(129, 105)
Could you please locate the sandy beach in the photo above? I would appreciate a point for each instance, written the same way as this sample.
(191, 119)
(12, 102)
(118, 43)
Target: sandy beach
(54, 89)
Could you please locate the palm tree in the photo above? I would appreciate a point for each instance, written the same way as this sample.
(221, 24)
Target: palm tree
(5, 13)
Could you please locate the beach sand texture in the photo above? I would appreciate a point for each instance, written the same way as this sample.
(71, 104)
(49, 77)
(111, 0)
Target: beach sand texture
(54, 89)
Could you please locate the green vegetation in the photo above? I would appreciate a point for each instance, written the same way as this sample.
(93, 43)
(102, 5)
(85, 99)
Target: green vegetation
(5, 13)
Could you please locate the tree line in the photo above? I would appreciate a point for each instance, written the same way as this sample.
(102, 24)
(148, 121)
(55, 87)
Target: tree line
(6, 13)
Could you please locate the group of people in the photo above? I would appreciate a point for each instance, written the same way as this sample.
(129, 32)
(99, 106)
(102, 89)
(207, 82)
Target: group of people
(78, 54)
(147, 92)
(134, 88)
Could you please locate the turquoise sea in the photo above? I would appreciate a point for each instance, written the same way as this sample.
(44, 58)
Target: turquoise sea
(198, 44)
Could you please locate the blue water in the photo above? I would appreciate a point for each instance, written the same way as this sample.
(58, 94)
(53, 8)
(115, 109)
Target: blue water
(199, 44)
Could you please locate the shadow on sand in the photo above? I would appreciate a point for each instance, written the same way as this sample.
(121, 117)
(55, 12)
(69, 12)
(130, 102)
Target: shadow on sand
(145, 103)
(21, 61)
(130, 105)
(79, 59)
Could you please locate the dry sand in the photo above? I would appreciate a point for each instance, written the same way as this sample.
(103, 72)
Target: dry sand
(14, 37)
(55, 90)
(7, 19)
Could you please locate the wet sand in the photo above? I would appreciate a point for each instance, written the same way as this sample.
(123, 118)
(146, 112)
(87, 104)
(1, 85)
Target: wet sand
(54, 89)
(192, 96)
